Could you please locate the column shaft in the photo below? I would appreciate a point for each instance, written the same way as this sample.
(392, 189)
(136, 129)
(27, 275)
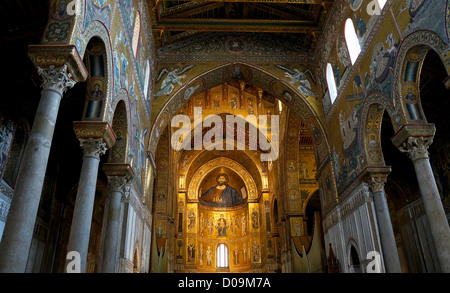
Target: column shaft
(434, 211)
(84, 204)
(112, 233)
(18, 232)
(120, 176)
(417, 149)
(388, 244)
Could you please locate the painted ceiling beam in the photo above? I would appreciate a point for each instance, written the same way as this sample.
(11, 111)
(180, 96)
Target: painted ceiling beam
(237, 25)
(186, 9)
(286, 14)
(192, 11)
(283, 14)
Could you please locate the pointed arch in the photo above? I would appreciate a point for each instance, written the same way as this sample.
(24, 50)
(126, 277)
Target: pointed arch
(373, 109)
(97, 81)
(119, 151)
(258, 77)
(407, 69)
(97, 33)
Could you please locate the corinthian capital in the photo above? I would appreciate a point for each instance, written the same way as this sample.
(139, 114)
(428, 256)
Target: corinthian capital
(93, 147)
(416, 147)
(120, 184)
(376, 183)
(58, 79)
(120, 177)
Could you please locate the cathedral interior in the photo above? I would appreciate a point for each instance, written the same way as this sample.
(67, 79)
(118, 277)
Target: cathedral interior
(253, 136)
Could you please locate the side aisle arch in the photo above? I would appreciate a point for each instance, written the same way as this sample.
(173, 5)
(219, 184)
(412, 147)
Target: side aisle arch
(120, 125)
(412, 53)
(102, 78)
(78, 26)
(374, 107)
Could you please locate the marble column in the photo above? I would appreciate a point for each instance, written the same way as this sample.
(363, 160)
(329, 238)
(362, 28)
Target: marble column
(119, 178)
(417, 149)
(387, 237)
(116, 185)
(18, 232)
(84, 204)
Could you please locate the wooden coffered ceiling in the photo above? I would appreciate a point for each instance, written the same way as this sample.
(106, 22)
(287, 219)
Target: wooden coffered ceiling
(296, 21)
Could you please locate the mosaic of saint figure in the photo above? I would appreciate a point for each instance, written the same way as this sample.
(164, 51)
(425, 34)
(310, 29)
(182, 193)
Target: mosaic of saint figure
(221, 195)
(222, 226)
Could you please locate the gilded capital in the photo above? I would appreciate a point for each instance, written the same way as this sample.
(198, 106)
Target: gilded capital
(58, 56)
(96, 130)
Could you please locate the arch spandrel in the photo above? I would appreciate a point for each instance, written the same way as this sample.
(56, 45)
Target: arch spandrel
(69, 21)
(62, 23)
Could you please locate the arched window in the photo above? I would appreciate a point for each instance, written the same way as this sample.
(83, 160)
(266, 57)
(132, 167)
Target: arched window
(222, 256)
(352, 41)
(136, 33)
(381, 3)
(147, 79)
(331, 82)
